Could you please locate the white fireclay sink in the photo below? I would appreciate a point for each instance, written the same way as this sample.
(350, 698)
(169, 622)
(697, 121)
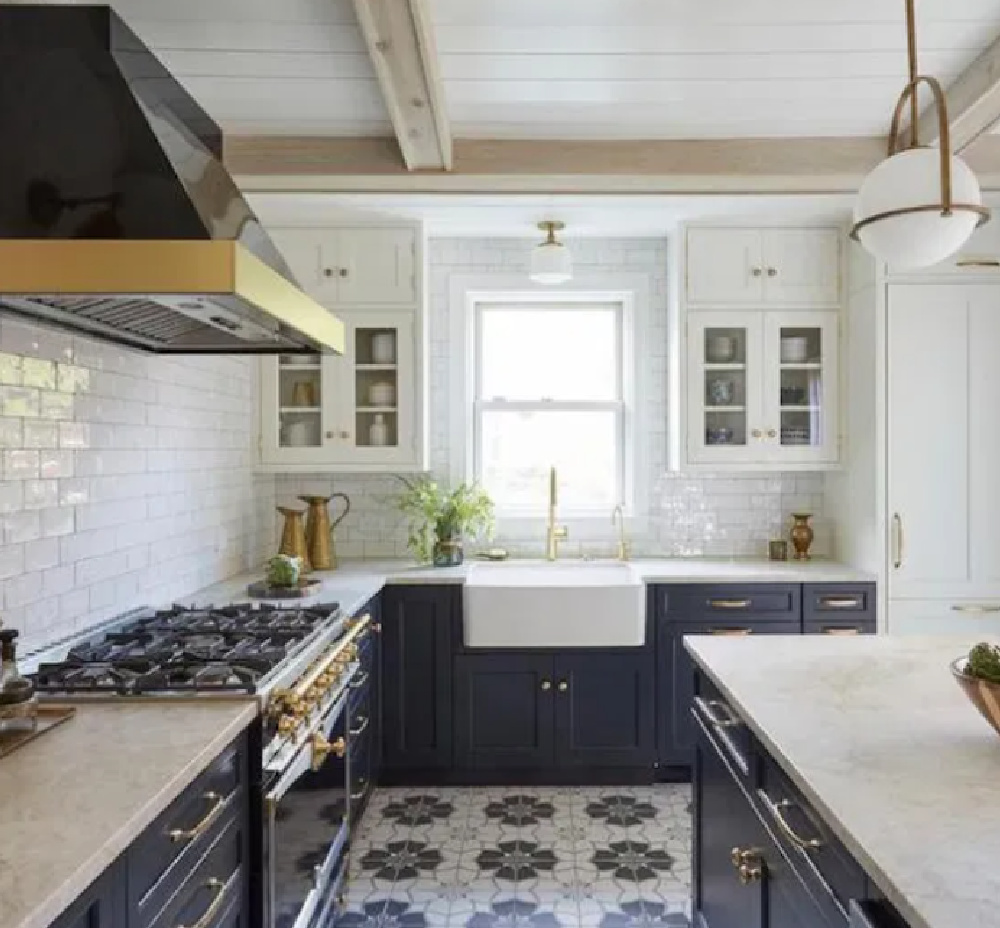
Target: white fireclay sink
(559, 605)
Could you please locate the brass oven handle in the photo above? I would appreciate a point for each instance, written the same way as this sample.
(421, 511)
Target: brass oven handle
(365, 720)
(360, 794)
(359, 681)
(731, 632)
(216, 801)
(897, 540)
(977, 608)
(777, 810)
(219, 890)
(840, 602)
(841, 630)
(717, 712)
(730, 603)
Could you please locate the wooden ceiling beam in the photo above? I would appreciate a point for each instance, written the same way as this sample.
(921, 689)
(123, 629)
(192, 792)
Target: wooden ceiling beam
(401, 46)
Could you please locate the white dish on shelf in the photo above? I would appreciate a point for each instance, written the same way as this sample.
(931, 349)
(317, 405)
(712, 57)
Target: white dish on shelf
(720, 348)
(794, 349)
(382, 393)
(384, 348)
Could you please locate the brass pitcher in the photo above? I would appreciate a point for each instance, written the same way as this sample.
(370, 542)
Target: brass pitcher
(293, 537)
(319, 529)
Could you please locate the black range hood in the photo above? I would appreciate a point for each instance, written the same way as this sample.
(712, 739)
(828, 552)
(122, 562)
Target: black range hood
(117, 218)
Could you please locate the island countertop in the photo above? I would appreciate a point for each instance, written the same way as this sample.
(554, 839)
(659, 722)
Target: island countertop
(77, 796)
(884, 744)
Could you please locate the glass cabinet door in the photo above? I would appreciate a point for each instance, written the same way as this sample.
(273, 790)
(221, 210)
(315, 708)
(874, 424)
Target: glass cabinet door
(800, 395)
(296, 420)
(724, 386)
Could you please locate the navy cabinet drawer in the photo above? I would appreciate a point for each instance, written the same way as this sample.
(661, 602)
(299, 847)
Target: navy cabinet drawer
(163, 855)
(839, 608)
(709, 602)
(213, 885)
(806, 840)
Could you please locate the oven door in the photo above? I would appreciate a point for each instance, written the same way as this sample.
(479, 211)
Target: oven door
(306, 831)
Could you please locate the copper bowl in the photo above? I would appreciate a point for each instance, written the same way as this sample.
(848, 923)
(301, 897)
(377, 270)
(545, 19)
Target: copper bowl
(985, 696)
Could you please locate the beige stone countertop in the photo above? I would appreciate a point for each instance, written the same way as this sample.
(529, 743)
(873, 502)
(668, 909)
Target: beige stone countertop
(74, 798)
(355, 582)
(884, 744)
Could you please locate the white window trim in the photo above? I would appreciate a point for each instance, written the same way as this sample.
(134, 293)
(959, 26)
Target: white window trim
(632, 291)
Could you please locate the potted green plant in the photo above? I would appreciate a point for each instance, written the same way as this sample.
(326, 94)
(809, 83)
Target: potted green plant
(439, 520)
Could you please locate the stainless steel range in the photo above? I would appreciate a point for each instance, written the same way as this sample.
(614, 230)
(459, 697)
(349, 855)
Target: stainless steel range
(311, 670)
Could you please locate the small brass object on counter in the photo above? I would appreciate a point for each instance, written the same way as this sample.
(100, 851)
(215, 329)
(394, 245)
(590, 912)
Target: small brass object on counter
(293, 537)
(319, 529)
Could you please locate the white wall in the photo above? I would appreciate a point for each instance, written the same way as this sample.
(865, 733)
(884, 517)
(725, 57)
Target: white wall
(724, 515)
(127, 479)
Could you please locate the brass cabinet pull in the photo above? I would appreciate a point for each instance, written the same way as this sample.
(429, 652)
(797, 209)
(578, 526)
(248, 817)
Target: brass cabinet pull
(731, 632)
(729, 603)
(897, 540)
(563, 686)
(342, 271)
(360, 794)
(218, 889)
(777, 810)
(840, 602)
(717, 712)
(546, 685)
(359, 681)
(772, 272)
(748, 863)
(216, 801)
(365, 720)
(977, 608)
(840, 630)
(977, 262)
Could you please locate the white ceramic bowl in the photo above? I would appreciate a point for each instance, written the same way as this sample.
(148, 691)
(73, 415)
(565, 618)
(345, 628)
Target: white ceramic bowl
(720, 349)
(382, 394)
(795, 349)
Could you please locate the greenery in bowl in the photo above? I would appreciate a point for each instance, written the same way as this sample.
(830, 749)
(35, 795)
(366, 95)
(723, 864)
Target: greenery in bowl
(436, 515)
(983, 663)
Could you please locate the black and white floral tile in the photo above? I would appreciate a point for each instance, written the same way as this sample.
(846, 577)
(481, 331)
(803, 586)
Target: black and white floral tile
(560, 857)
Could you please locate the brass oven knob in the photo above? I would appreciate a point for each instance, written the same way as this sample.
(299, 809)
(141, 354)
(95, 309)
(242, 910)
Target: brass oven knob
(321, 749)
(751, 874)
(287, 725)
(327, 679)
(315, 694)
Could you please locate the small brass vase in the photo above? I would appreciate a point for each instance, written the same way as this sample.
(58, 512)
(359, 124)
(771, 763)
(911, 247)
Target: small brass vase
(802, 535)
(319, 529)
(293, 537)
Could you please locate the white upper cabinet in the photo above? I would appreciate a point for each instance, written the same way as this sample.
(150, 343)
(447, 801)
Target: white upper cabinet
(353, 266)
(755, 267)
(943, 497)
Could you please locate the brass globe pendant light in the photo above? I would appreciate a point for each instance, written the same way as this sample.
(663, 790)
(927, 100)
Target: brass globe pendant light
(551, 261)
(921, 204)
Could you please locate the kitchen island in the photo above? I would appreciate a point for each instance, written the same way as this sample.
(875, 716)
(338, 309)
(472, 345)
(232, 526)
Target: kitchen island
(871, 773)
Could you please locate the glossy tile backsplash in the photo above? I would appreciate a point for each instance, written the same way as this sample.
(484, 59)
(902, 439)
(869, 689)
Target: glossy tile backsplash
(126, 479)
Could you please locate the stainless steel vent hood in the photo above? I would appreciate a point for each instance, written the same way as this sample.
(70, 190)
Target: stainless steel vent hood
(117, 218)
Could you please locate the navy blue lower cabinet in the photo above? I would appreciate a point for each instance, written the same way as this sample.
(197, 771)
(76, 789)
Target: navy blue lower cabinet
(103, 905)
(605, 709)
(503, 710)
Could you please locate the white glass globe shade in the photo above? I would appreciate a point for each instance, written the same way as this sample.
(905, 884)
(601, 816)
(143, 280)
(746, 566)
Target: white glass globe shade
(913, 178)
(551, 263)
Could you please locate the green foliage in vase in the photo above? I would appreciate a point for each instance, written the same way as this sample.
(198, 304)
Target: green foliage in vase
(436, 514)
(984, 662)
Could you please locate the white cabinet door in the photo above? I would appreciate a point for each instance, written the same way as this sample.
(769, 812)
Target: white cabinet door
(375, 266)
(975, 618)
(724, 387)
(298, 396)
(800, 417)
(724, 266)
(928, 515)
(801, 266)
(306, 251)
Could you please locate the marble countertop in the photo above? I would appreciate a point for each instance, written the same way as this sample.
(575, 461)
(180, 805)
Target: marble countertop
(77, 796)
(355, 582)
(882, 741)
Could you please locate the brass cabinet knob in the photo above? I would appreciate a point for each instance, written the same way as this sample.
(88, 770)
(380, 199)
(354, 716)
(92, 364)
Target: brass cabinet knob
(546, 685)
(742, 855)
(750, 874)
(563, 686)
(345, 434)
(321, 749)
(748, 863)
(330, 433)
(772, 272)
(756, 433)
(377, 628)
(772, 433)
(756, 271)
(342, 272)
(328, 272)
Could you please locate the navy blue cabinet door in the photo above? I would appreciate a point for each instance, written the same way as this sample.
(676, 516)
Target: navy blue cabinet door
(605, 709)
(724, 820)
(103, 905)
(417, 633)
(503, 710)
(676, 677)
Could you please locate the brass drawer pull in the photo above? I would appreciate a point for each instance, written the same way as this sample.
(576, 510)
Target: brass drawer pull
(360, 794)
(563, 686)
(978, 608)
(216, 801)
(219, 894)
(977, 262)
(731, 632)
(360, 680)
(365, 720)
(840, 630)
(546, 685)
(730, 603)
(717, 712)
(840, 602)
(777, 810)
(897, 540)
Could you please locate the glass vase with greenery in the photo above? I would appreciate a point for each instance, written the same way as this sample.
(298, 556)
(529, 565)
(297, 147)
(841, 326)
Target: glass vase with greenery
(438, 520)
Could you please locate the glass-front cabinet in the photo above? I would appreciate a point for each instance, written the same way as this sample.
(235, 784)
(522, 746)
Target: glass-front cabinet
(762, 388)
(359, 410)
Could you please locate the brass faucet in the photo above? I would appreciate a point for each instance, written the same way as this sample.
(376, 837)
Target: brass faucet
(618, 517)
(555, 533)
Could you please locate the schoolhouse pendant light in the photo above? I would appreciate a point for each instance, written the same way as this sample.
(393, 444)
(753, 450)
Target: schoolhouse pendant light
(551, 261)
(921, 204)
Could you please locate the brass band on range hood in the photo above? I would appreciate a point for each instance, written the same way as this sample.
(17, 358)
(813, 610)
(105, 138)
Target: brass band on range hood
(154, 268)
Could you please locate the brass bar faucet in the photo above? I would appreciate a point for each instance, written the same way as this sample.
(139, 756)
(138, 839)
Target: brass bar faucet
(618, 517)
(555, 533)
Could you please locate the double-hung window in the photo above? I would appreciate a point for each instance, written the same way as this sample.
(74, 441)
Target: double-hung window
(549, 392)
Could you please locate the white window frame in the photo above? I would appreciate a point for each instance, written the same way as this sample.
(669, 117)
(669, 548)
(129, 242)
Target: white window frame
(631, 292)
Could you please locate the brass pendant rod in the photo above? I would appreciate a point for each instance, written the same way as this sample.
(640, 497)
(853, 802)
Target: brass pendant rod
(944, 132)
(911, 54)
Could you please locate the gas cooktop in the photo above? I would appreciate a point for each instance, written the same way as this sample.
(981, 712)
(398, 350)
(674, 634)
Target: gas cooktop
(181, 650)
